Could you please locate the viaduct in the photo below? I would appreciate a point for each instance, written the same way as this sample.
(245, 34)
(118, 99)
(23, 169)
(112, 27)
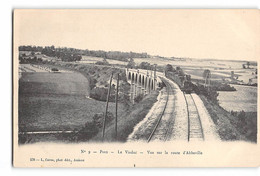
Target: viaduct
(142, 81)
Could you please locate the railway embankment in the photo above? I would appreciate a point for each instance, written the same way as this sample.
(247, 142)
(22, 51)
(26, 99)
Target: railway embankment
(144, 128)
(180, 128)
(166, 120)
(209, 128)
(127, 122)
(173, 117)
(231, 127)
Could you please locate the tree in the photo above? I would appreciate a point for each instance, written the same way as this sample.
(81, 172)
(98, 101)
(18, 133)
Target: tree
(131, 63)
(207, 76)
(54, 69)
(169, 68)
(248, 64)
(104, 62)
(188, 78)
(145, 65)
(51, 51)
(181, 73)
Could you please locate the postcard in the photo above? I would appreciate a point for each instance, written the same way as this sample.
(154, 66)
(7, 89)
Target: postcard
(136, 87)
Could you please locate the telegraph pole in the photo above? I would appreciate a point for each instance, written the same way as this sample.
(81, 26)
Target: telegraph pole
(104, 122)
(117, 85)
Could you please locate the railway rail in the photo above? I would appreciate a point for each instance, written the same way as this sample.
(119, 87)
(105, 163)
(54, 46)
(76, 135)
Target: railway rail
(195, 130)
(161, 129)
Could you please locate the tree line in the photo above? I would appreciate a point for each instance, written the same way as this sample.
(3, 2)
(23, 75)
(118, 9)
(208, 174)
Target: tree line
(72, 54)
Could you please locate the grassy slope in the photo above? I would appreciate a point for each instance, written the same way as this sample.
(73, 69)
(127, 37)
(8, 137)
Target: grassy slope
(229, 126)
(131, 117)
(128, 120)
(54, 83)
(55, 112)
(51, 101)
(101, 73)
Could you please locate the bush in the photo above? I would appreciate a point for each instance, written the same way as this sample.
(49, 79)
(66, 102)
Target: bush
(99, 93)
(139, 98)
(92, 82)
(54, 69)
(246, 123)
(169, 68)
(224, 87)
(242, 115)
(90, 129)
(29, 60)
(131, 63)
(98, 118)
(104, 62)
(145, 65)
(87, 132)
(211, 93)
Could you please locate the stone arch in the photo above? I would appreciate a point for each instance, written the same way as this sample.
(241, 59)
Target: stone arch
(132, 78)
(129, 75)
(136, 76)
(143, 81)
(149, 84)
(140, 80)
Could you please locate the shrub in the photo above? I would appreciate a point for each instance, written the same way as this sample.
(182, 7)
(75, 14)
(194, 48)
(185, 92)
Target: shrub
(131, 63)
(104, 62)
(246, 124)
(87, 132)
(224, 87)
(210, 93)
(145, 65)
(242, 115)
(169, 68)
(92, 82)
(99, 93)
(54, 69)
(139, 98)
(98, 118)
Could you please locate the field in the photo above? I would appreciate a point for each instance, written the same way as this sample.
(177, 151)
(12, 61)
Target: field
(56, 101)
(93, 60)
(245, 98)
(57, 112)
(53, 83)
(232, 127)
(220, 69)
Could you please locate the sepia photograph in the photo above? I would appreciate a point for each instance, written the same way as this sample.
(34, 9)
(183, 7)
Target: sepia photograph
(117, 77)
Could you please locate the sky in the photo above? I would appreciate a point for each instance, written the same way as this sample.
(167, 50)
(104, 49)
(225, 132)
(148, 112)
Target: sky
(203, 34)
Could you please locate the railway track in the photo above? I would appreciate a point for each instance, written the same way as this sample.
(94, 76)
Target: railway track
(195, 130)
(163, 127)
